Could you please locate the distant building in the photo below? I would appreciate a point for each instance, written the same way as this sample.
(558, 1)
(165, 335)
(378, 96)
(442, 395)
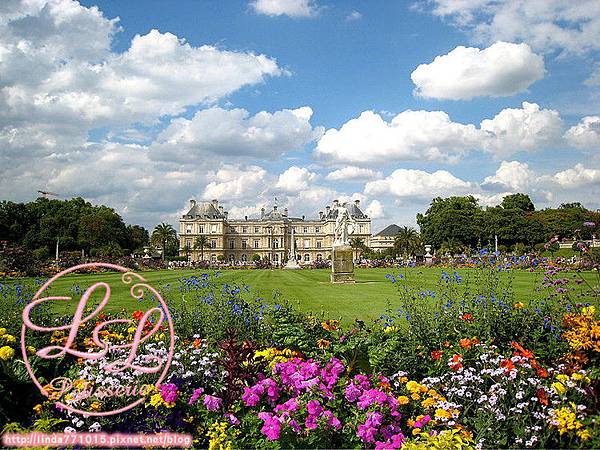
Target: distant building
(385, 238)
(269, 236)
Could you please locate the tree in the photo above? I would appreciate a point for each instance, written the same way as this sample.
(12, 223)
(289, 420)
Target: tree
(163, 234)
(456, 218)
(518, 201)
(407, 241)
(137, 237)
(200, 244)
(358, 245)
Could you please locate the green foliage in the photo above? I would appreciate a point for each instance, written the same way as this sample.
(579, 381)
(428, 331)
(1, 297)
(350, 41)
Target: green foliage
(165, 235)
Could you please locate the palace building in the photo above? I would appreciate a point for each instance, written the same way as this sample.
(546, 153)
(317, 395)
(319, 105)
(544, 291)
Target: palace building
(268, 236)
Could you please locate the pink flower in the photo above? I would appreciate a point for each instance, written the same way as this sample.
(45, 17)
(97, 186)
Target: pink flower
(272, 427)
(371, 396)
(332, 421)
(195, 395)
(168, 392)
(212, 403)
(314, 408)
(352, 392)
(232, 419)
(250, 397)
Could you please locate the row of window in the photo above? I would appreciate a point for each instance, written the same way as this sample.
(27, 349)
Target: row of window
(214, 229)
(244, 258)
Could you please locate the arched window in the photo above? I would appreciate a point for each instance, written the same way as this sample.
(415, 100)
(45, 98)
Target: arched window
(244, 258)
(231, 258)
(213, 258)
(319, 257)
(275, 258)
(306, 257)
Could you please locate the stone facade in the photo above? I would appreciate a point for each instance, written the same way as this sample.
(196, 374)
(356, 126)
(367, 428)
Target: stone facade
(269, 236)
(385, 239)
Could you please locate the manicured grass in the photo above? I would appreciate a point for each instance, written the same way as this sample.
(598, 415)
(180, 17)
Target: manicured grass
(310, 290)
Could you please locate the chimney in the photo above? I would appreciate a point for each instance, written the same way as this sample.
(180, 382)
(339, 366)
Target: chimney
(246, 218)
(357, 203)
(274, 207)
(285, 212)
(336, 203)
(321, 215)
(302, 217)
(221, 209)
(226, 214)
(262, 212)
(215, 203)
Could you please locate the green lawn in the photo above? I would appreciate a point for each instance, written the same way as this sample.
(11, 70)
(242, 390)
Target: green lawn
(310, 290)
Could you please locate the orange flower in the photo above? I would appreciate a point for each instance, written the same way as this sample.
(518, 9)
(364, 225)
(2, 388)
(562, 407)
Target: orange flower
(323, 343)
(467, 317)
(525, 353)
(436, 354)
(507, 365)
(197, 343)
(542, 396)
(456, 363)
(330, 325)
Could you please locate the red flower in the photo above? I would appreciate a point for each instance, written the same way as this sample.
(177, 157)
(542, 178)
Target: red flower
(456, 363)
(436, 354)
(507, 365)
(525, 353)
(137, 315)
(467, 317)
(542, 396)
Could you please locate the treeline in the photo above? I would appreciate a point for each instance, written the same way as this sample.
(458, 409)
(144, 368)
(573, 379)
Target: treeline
(76, 224)
(457, 223)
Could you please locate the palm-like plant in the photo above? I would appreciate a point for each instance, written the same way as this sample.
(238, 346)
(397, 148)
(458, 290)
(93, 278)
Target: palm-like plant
(162, 234)
(407, 241)
(358, 245)
(200, 244)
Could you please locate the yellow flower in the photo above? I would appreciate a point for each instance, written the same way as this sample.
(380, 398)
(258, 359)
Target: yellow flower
(390, 329)
(428, 402)
(2, 331)
(403, 400)
(415, 396)
(559, 388)
(584, 434)
(37, 408)
(416, 431)
(562, 378)
(413, 386)
(519, 305)
(442, 414)
(588, 310)
(9, 338)
(323, 343)
(6, 353)
(30, 350)
(577, 376)
(95, 406)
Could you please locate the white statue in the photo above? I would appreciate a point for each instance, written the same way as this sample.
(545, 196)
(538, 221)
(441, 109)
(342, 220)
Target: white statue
(344, 226)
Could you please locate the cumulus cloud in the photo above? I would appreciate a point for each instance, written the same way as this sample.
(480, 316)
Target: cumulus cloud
(577, 176)
(513, 175)
(375, 210)
(59, 73)
(354, 15)
(411, 135)
(545, 25)
(500, 70)
(352, 173)
(291, 8)
(586, 134)
(295, 179)
(527, 128)
(433, 136)
(235, 132)
(418, 184)
(236, 183)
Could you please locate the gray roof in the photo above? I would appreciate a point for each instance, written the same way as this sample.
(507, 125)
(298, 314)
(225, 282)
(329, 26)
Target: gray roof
(353, 209)
(204, 210)
(390, 230)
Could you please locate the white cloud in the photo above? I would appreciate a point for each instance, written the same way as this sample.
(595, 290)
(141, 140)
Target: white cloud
(295, 179)
(573, 26)
(528, 128)
(594, 78)
(418, 184)
(433, 136)
(231, 183)
(235, 132)
(500, 70)
(586, 134)
(354, 15)
(375, 210)
(411, 135)
(513, 175)
(352, 173)
(577, 176)
(291, 8)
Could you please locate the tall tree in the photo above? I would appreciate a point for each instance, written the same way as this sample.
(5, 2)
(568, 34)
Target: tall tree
(164, 233)
(200, 244)
(407, 241)
(518, 201)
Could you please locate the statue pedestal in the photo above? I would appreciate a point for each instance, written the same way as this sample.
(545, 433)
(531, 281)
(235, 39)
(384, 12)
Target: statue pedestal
(342, 267)
(292, 264)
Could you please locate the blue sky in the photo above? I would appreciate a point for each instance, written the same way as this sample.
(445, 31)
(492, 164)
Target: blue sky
(306, 100)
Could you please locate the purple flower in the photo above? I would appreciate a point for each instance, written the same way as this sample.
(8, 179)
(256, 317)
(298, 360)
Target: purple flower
(589, 224)
(352, 392)
(250, 397)
(195, 395)
(371, 396)
(232, 419)
(168, 392)
(212, 403)
(314, 408)
(271, 427)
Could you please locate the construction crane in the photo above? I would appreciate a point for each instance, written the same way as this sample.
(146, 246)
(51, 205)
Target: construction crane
(47, 194)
